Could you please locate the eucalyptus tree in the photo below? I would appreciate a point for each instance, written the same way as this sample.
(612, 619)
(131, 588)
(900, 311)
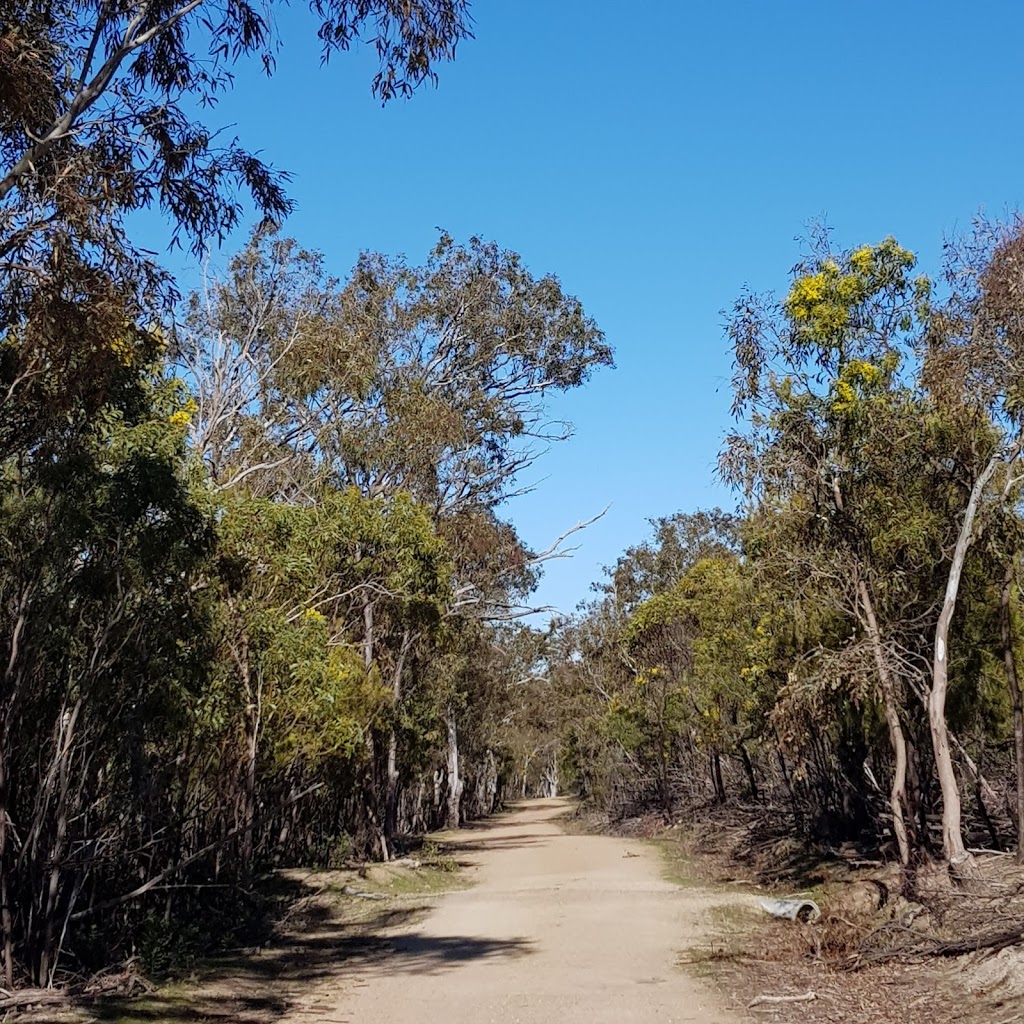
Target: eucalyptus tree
(97, 118)
(430, 380)
(831, 424)
(296, 573)
(105, 551)
(678, 542)
(592, 675)
(104, 639)
(884, 437)
(641, 673)
(973, 368)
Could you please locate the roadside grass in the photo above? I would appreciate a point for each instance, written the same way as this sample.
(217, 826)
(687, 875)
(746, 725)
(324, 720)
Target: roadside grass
(317, 932)
(677, 863)
(688, 868)
(432, 878)
(751, 959)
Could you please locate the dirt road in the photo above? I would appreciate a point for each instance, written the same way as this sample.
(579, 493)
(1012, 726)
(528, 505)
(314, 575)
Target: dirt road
(556, 928)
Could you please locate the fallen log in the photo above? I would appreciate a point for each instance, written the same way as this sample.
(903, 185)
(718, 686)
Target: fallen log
(349, 891)
(806, 997)
(33, 997)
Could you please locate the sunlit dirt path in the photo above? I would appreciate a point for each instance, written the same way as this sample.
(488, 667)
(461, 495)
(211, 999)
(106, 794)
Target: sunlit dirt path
(556, 928)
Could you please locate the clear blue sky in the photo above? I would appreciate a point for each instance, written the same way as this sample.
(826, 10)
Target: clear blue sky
(657, 156)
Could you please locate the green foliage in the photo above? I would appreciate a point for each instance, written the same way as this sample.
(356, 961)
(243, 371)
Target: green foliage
(256, 598)
(793, 646)
(292, 579)
(255, 589)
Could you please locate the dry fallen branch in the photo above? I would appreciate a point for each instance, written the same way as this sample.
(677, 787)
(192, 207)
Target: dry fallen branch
(33, 997)
(349, 891)
(992, 941)
(807, 997)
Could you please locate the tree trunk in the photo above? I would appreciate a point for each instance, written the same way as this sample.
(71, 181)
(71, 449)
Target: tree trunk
(748, 767)
(438, 781)
(664, 758)
(392, 794)
(986, 816)
(454, 779)
(391, 788)
(526, 770)
(664, 789)
(716, 776)
(551, 776)
(1013, 681)
(960, 861)
(491, 783)
(372, 786)
(794, 803)
(368, 648)
(253, 722)
(898, 802)
(12, 681)
(6, 922)
(61, 773)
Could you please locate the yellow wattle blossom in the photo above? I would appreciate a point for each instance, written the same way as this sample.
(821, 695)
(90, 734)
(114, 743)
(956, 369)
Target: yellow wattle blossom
(845, 398)
(183, 416)
(123, 351)
(312, 615)
(805, 293)
(862, 375)
(821, 302)
(862, 370)
(862, 260)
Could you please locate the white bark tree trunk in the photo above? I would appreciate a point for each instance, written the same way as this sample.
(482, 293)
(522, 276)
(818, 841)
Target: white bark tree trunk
(391, 795)
(955, 852)
(898, 792)
(551, 777)
(454, 779)
(372, 797)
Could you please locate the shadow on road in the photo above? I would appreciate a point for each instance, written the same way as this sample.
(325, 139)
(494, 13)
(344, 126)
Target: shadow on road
(336, 938)
(258, 988)
(516, 842)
